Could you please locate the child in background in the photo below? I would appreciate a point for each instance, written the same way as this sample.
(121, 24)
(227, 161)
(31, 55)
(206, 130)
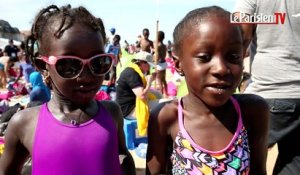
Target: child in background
(115, 49)
(161, 64)
(72, 134)
(26, 68)
(39, 92)
(210, 130)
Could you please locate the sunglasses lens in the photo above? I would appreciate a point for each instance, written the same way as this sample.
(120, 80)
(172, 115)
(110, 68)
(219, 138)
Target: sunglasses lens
(101, 64)
(68, 67)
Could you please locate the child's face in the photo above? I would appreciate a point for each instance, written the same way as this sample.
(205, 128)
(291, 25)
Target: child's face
(146, 34)
(83, 42)
(211, 59)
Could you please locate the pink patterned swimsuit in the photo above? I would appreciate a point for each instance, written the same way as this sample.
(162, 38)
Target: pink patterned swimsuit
(188, 158)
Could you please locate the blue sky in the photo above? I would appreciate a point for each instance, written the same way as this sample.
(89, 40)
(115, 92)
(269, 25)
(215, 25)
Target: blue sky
(129, 17)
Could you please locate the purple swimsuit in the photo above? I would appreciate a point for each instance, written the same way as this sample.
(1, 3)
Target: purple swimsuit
(90, 148)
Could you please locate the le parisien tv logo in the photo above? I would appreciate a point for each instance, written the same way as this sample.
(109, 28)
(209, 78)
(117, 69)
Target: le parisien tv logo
(244, 18)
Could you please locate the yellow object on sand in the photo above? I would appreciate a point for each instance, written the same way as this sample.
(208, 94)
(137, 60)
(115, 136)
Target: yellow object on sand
(142, 111)
(1, 149)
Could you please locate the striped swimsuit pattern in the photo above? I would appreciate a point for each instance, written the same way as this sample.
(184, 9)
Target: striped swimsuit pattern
(188, 158)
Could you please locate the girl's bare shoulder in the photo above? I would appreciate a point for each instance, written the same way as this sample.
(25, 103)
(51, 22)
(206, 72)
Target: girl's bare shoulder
(165, 113)
(22, 126)
(26, 115)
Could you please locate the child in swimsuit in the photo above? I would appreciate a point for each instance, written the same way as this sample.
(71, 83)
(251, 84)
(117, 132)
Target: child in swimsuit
(210, 130)
(72, 134)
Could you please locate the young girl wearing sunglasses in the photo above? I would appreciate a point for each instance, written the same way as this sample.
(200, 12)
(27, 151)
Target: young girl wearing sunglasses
(72, 134)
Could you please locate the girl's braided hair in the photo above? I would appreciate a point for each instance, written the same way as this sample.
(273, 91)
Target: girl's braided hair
(41, 31)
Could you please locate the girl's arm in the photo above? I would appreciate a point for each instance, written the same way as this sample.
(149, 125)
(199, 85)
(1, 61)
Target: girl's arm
(126, 160)
(256, 117)
(15, 153)
(158, 133)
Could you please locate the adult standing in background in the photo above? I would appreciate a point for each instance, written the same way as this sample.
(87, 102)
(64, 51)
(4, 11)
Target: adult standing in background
(11, 50)
(133, 84)
(276, 74)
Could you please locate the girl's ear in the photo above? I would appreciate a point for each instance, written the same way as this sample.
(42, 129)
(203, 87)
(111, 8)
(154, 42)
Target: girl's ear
(177, 65)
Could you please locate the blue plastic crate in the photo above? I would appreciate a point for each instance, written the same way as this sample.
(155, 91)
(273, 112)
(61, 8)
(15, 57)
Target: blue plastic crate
(131, 134)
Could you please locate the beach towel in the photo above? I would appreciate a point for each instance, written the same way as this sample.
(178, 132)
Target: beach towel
(142, 111)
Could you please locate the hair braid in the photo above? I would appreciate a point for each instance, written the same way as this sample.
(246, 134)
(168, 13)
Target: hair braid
(32, 47)
(65, 16)
(37, 42)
